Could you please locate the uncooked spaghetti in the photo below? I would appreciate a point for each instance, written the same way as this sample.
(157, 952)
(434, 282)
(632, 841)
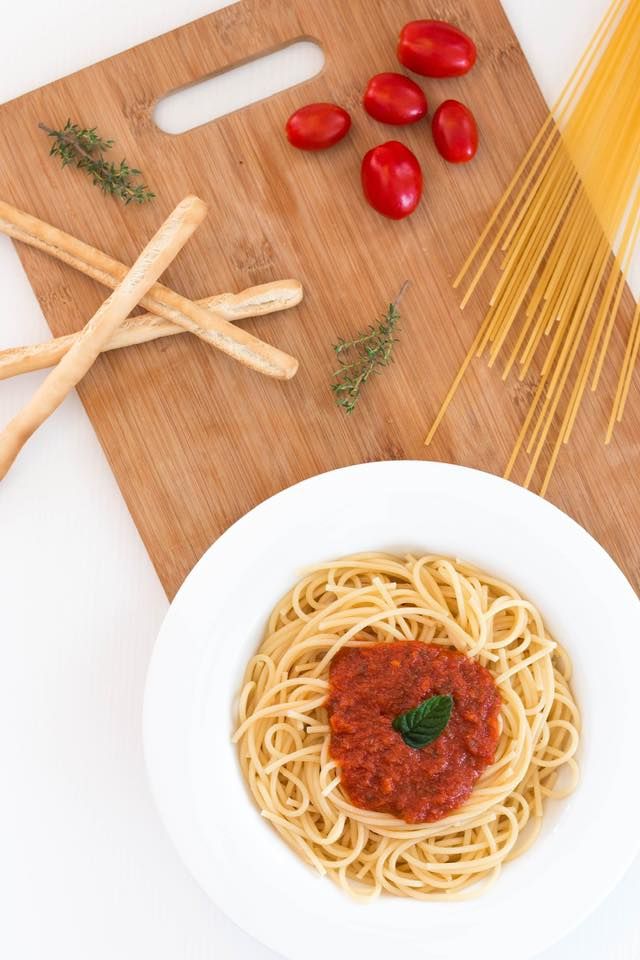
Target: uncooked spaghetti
(575, 194)
(284, 735)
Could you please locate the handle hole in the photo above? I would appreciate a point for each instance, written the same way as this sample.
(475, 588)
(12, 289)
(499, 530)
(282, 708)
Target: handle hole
(233, 89)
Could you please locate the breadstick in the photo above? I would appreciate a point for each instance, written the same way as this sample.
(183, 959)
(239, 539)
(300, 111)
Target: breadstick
(253, 302)
(160, 300)
(154, 260)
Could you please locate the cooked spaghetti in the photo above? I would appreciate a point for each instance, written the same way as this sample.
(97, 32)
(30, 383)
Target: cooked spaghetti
(284, 737)
(575, 194)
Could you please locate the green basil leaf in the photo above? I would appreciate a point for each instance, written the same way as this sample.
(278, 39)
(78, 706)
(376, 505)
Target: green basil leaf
(424, 724)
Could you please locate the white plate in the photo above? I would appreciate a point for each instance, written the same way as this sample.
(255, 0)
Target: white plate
(215, 624)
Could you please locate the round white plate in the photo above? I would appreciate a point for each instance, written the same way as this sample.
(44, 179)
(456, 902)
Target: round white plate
(215, 624)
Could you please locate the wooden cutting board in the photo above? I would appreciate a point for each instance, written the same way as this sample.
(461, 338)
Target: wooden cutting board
(194, 439)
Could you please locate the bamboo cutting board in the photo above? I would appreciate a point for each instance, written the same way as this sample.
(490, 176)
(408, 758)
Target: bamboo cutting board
(194, 439)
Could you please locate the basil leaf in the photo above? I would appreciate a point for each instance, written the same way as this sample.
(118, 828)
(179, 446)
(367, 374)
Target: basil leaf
(424, 724)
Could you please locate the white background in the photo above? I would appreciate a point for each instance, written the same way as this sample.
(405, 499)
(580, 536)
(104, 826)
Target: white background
(86, 870)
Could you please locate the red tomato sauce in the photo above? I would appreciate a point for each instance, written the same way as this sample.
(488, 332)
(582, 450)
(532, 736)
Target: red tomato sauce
(369, 687)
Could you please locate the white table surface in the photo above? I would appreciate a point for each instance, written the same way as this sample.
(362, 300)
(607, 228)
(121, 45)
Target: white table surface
(86, 870)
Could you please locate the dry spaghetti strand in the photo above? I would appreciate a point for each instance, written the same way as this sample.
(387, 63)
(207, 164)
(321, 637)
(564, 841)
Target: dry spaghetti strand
(576, 192)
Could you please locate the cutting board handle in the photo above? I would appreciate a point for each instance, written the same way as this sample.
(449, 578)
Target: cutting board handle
(213, 44)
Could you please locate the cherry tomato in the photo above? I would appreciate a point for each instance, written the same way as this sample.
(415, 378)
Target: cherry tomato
(317, 126)
(455, 132)
(394, 98)
(434, 48)
(392, 180)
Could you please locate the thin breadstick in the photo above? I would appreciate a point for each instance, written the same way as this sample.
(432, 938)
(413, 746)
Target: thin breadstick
(154, 260)
(253, 302)
(160, 300)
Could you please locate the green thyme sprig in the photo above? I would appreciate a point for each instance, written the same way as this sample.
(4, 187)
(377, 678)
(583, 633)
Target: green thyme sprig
(365, 355)
(85, 149)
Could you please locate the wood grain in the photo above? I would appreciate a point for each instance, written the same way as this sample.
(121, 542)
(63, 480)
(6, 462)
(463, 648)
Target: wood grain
(195, 441)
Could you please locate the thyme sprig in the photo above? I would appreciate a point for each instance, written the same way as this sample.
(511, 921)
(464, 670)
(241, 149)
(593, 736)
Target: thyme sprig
(86, 149)
(365, 355)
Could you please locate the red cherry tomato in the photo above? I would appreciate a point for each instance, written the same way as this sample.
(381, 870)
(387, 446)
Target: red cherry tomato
(434, 48)
(394, 98)
(455, 132)
(392, 180)
(317, 126)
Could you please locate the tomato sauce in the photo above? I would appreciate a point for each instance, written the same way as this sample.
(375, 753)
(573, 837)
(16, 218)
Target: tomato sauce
(369, 687)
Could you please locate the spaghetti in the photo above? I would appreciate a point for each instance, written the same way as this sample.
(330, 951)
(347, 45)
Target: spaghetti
(575, 193)
(284, 739)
